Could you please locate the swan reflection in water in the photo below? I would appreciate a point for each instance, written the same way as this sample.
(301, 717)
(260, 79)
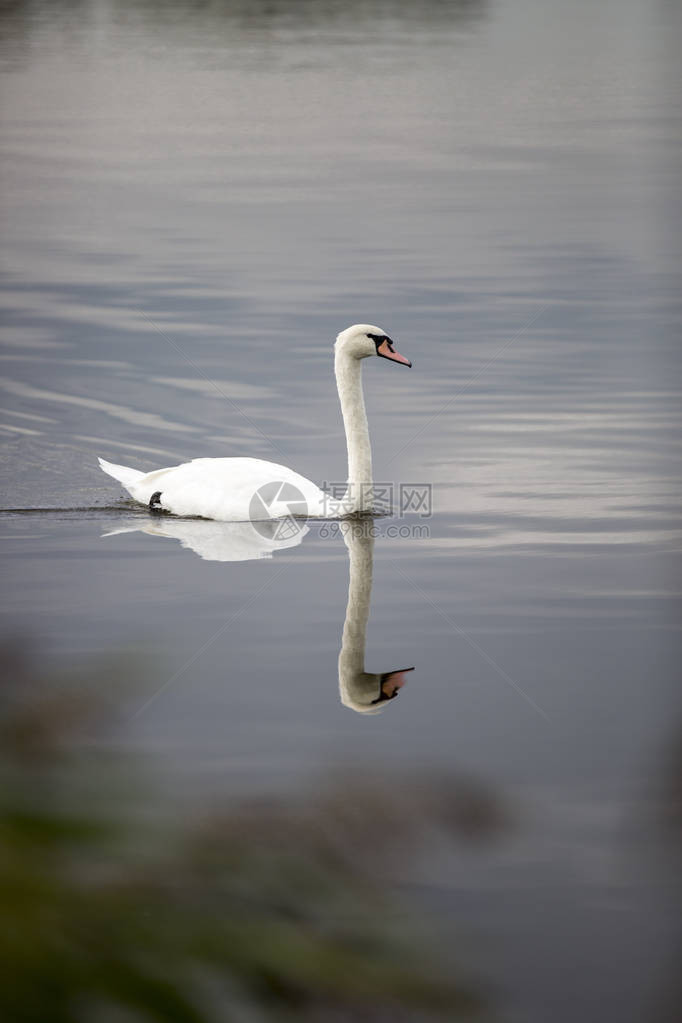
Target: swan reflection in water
(362, 691)
(223, 541)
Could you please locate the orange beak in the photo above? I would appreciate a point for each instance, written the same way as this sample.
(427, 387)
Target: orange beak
(391, 682)
(387, 351)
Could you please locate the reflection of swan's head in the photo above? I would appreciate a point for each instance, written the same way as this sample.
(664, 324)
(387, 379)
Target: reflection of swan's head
(367, 692)
(362, 340)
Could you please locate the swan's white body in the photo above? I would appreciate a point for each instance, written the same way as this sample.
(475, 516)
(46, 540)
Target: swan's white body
(223, 488)
(218, 488)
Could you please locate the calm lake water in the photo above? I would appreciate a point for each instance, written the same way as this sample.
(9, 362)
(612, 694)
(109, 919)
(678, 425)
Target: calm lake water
(196, 199)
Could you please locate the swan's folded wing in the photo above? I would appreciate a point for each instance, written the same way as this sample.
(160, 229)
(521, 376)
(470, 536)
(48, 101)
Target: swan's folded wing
(227, 489)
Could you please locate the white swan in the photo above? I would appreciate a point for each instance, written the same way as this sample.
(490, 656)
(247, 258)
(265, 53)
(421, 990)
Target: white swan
(224, 488)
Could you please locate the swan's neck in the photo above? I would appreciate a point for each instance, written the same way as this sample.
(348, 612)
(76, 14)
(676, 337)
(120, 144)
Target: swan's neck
(349, 383)
(352, 655)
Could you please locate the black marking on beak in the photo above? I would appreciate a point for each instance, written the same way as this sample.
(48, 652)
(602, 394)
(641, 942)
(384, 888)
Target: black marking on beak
(383, 339)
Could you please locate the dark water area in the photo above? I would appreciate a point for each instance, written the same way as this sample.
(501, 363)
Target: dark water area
(195, 199)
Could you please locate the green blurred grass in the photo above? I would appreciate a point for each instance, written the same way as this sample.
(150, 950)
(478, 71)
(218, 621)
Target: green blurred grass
(262, 911)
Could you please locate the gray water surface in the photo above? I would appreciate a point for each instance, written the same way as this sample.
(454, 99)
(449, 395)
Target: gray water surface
(196, 199)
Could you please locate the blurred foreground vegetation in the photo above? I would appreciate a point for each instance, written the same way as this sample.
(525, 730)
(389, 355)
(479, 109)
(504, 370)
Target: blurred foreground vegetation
(258, 911)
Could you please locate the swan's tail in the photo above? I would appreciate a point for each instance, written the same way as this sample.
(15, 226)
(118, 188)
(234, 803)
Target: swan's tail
(120, 472)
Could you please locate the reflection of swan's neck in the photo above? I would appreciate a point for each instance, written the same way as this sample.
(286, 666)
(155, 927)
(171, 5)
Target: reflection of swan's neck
(349, 384)
(358, 688)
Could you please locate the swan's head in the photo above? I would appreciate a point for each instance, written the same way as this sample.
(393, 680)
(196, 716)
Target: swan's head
(362, 340)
